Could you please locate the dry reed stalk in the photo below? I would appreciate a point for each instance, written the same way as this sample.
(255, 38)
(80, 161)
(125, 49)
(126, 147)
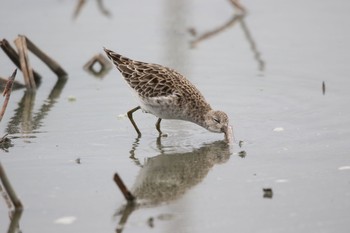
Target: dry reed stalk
(53, 65)
(27, 71)
(14, 57)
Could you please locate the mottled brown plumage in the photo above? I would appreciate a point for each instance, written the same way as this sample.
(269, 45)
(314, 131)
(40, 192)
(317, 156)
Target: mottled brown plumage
(166, 94)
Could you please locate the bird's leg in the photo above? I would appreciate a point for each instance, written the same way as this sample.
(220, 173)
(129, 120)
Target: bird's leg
(132, 120)
(158, 126)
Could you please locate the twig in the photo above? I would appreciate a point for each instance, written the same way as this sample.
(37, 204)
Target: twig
(127, 194)
(239, 6)
(216, 31)
(10, 191)
(7, 93)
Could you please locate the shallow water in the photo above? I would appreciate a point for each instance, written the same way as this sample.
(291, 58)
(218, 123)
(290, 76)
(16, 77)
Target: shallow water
(265, 71)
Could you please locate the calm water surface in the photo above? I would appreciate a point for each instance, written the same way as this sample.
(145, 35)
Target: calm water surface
(265, 70)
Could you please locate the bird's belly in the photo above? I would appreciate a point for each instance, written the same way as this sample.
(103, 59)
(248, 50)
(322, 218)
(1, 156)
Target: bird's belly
(163, 108)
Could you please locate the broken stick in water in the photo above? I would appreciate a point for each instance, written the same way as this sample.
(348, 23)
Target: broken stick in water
(14, 57)
(27, 71)
(20, 59)
(53, 65)
(127, 194)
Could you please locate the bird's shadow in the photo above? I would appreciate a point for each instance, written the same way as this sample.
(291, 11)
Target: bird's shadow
(168, 176)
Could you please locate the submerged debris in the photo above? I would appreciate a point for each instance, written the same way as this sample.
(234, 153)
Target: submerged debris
(268, 193)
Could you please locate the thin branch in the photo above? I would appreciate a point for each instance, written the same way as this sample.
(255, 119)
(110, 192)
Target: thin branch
(7, 93)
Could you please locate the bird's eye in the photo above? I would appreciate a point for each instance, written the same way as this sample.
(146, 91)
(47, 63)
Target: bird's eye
(216, 120)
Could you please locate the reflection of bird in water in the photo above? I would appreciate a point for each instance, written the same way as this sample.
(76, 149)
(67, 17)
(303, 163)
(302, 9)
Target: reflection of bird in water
(167, 177)
(169, 95)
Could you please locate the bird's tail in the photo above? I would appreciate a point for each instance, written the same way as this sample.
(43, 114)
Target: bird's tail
(115, 57)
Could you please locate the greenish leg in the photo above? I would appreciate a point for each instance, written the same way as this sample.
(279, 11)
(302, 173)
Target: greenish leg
(158, 126)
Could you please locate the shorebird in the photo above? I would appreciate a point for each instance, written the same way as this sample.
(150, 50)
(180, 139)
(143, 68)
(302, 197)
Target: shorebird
(167, 94)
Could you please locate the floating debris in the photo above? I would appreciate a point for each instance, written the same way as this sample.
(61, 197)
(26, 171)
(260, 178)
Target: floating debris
(268, 193)
(278, 129)
(78, 161)
(122, 116)
(5, 143)
(344, 168)
(165, 217)
(281, 181)
(240, 143)
(323, 88)
(242, 154)
(66, 220)
(150, 222)
(72, 98)
(98, 65)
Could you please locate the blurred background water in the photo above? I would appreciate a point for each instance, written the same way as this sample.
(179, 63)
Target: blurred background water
(265, 70)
